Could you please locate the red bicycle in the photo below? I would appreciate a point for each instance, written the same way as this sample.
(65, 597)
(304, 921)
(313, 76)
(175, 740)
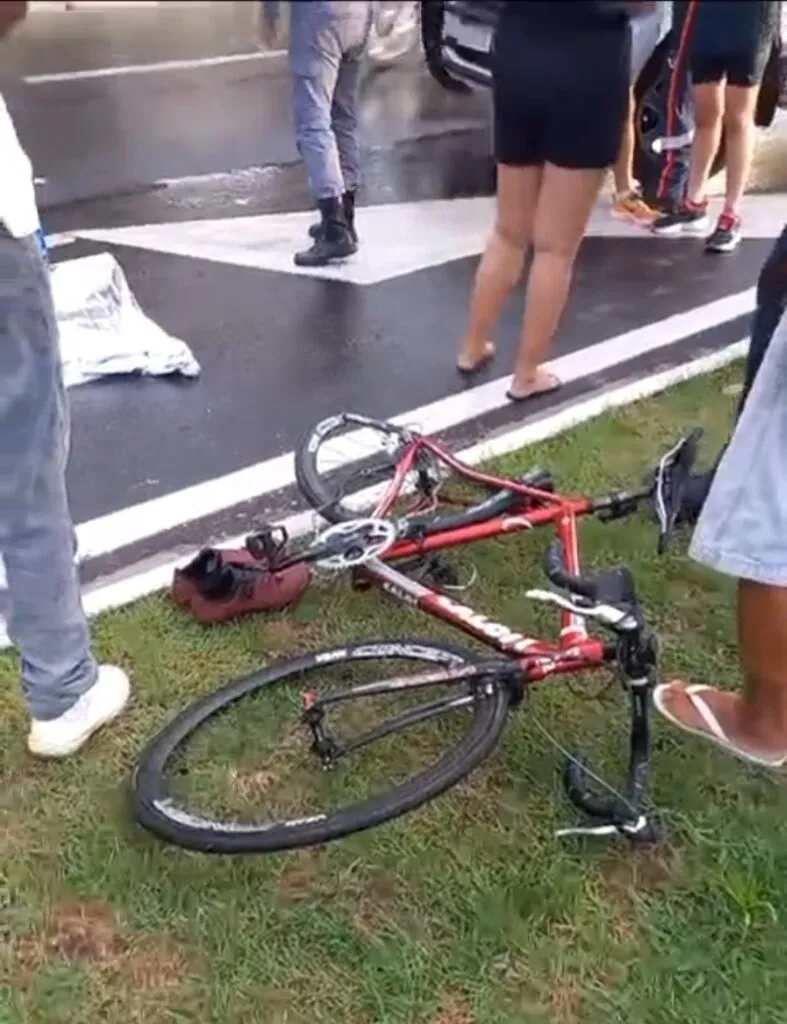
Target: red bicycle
(396, 548)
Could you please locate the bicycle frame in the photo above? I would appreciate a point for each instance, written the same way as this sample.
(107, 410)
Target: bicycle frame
(540, 659)
(533, 660)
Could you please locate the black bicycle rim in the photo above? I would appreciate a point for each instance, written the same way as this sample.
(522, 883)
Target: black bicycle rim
(315, 488)
(157, 813)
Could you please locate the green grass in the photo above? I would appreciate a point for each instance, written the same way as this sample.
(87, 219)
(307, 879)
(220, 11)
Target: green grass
(468, 912)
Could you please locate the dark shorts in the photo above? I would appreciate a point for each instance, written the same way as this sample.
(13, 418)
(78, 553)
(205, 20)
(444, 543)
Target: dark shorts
(744, 69)
(561, 101)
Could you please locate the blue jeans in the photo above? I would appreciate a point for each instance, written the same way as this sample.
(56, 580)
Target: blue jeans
(327, 43)
(46, 622)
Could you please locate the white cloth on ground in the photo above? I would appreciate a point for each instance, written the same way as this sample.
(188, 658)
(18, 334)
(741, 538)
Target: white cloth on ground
(103, 330)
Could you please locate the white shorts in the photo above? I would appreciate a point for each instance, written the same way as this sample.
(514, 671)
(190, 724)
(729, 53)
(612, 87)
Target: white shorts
(742, 530)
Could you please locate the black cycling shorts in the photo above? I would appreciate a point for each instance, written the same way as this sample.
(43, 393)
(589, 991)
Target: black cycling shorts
(561, 100)
(744, 69)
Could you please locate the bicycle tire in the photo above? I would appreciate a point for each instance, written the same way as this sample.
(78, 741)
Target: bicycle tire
(157, 814)
(308, 478)
(316, 491)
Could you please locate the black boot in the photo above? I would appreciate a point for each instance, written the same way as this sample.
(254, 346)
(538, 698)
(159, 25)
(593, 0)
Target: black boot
(333, 242)
(348, 202)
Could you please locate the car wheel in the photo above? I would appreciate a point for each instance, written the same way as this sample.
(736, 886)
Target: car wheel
(651, 94)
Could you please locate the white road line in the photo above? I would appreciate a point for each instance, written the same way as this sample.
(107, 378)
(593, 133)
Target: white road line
(143, 69)
(116, 593)
(402, 238)
(126, 526)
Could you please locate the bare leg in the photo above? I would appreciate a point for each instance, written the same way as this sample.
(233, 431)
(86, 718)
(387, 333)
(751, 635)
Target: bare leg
(708, 100)
(624, 165)
(755, 720)
(762, 638)
(739, 104)
(501, 265)
(565, 203)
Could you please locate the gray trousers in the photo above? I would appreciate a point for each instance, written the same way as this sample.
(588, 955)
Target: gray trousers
(327, 43)
(46, 622)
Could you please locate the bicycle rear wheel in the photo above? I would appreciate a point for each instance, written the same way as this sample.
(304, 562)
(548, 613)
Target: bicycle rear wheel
(279, 775)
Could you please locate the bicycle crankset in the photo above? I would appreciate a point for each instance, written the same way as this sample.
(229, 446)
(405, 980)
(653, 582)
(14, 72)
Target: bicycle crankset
(347, 545)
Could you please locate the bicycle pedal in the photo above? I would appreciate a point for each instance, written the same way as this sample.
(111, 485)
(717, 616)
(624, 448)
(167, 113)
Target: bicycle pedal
(268, 544)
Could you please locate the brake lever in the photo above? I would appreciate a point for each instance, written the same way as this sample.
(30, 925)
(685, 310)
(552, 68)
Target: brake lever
(610, 616)
(624, 829)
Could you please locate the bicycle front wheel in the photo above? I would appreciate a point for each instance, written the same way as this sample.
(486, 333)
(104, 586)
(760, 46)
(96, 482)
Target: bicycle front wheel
(344, 464)
(242, 751)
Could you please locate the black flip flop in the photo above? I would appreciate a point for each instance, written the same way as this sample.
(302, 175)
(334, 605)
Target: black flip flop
(470, 371)
(518, 399)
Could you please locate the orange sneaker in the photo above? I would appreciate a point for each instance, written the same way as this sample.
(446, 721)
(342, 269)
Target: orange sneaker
(632, 207)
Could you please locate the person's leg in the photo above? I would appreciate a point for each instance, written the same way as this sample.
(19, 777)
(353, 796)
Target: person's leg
(565, 202)
(739, 104)
(518, 143)
(752, 724)
(344, 118)
(707, 92)
(585, 114)
(744, 72)
(314, 78)
(628, 203)
(46, 622)
(623, 171)
(708, 101)
(674, 170)
(742, 532)
(315, 58)
(771, 305)
(501, 265)
(353, 32)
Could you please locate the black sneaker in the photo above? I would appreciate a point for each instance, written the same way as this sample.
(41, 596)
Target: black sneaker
(727, 234)
(686, 219)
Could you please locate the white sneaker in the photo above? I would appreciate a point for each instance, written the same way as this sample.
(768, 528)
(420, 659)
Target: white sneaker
(59, 737)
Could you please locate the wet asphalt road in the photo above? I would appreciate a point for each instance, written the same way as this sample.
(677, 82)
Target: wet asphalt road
(105, 136)
(215, 142)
